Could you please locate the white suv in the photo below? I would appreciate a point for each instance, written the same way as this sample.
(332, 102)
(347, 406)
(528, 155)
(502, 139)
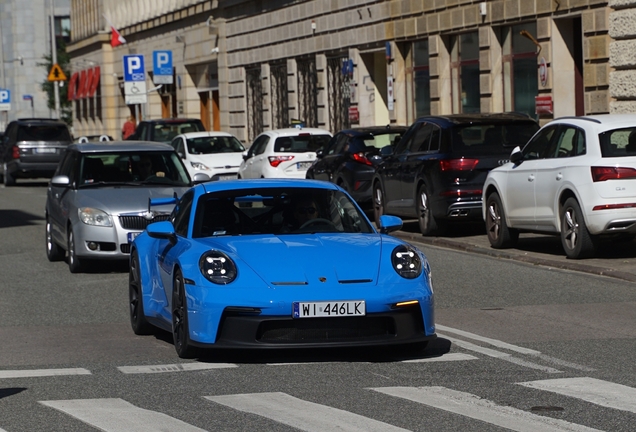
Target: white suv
(575, 177)
(283, 153)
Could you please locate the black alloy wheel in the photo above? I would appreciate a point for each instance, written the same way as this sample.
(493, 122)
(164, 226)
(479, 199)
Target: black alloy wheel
(138, 320)
(499, 235)
(180, 330)
(575, 238)
(53, 251)
(428, 224)
(75, 264)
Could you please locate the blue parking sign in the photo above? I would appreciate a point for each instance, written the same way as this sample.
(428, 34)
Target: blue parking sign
(134, 68)
(162, 67)
(5, 96)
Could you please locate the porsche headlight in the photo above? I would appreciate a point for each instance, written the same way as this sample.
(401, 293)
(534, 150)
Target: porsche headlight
(96, 217)
(406, 262)
(199, 166)
(217, 267)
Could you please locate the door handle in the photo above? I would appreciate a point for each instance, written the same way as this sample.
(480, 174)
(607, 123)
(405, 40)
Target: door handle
(531, 178)
(559, 176)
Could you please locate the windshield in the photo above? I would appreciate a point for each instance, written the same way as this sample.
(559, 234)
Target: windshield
(300, 143)
(43, 133)
(133, 168)
(277, 211)
(214, 144)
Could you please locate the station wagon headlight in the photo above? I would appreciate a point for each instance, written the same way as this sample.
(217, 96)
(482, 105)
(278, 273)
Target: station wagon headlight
(96, 217)
(217, 267)
(406, 262)
(199, 166)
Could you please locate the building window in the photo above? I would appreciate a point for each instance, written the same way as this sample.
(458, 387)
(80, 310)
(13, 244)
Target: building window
(520, 71)
(421, 79)
(307, 91)
(465, 73)
(279, 96)
(254, 95)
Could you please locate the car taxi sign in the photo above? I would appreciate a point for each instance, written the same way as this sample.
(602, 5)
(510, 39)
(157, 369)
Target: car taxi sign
(57, 74)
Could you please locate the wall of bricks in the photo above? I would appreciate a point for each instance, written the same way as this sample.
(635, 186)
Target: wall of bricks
(622, 54)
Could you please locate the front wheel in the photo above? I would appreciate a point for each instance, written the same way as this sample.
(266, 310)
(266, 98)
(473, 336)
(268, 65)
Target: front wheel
(75, 264)
(378, 203)
(9, 180)
(428, 224)
(499, 235)
(575, 238)
(53, 251)
(180, 328)
(138, 320)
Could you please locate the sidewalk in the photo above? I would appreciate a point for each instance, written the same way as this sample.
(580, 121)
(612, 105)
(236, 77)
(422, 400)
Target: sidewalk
(613, 259)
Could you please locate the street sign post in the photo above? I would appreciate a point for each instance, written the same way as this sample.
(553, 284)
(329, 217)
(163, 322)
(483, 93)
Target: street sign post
(5, 100)
(162, 67)
(134, 79)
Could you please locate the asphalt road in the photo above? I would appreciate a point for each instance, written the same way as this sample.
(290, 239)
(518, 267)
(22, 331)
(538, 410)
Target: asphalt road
(523, 345)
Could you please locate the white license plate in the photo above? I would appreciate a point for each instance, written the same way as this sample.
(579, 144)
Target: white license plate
(303, 165)
(329, 309)
(45, 150)
(227, 177)
(132, 236)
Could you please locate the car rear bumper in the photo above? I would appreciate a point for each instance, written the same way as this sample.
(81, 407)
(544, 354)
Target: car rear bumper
(17, 168)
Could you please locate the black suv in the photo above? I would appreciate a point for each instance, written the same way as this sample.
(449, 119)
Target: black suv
(164, 130)
(32, 148)
(437, 171)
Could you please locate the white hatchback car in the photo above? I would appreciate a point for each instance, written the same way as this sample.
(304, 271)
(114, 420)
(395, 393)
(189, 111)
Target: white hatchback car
(217, 154)
(283, 153)
(575, 177)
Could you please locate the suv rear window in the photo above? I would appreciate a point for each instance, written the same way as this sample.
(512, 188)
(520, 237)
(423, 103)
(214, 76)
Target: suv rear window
(492, 138)
(167, 131)
(618, 142)
(43, 133)
(300, 143)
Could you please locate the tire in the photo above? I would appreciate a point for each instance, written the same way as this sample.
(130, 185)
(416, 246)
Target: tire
(428, 224)
(575, 238)
(9, 180)
(180, 329)
(499, 235)
(75, 264)
(53, 251)
(138, 322)
(378, 203)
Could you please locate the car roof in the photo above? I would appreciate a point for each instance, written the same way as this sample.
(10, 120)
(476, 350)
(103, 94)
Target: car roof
(600, 122)
(204, 134)
(216, 186)
(365, 130)
(458, 119)
(120, 146)
(40, 121)
(171, 120)
(297, 131)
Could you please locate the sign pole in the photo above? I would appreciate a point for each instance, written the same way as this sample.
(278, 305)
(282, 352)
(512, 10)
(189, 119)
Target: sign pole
(56, 87)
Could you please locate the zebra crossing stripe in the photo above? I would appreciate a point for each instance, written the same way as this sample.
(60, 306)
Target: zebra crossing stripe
(117, 415)
(31, 373)
(178, 367)
(472, 406)
(599, 392)
(303, 415)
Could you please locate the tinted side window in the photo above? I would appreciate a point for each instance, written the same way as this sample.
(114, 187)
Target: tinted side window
(570, 142)
(539, 146)
(181, 214)
(618, 142)
(67, 165)
(421, 139)
(405, 143)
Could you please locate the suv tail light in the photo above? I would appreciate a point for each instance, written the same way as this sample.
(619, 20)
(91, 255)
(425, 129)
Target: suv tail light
(600, 174)
(458, 164)
(15, 152)
(277, 160)
(361, 158)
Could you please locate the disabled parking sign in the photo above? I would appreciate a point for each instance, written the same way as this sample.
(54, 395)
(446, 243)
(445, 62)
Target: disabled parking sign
(134, 79)
(162, 67)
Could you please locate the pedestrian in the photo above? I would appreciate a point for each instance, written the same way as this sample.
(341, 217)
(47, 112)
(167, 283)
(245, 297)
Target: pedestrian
(129, 127)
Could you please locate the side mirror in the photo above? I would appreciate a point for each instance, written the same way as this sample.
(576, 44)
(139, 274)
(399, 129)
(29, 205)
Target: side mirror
(162, 230)
(61, 181)
(181, 155)
(386, 151)
(319, 153)
(246, 155)
(200, 178)
(389, 224)
(516, 157)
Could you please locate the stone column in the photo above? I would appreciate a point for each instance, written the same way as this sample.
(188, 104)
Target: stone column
(622, 82)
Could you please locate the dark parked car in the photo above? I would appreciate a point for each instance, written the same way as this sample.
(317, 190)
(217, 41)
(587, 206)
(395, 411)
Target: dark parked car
(164, 130)
(32, 148)
(350, 157)
(437, 171)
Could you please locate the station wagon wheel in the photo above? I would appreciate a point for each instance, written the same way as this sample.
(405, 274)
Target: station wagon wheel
(575, 238)
(74, 263)
(180, 330)
(428, 224)
(53, 251)
(9, 180)
(378, 203)
(499, 235)
(138, 320)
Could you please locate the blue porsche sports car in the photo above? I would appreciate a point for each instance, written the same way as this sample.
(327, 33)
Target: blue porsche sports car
(271, 263)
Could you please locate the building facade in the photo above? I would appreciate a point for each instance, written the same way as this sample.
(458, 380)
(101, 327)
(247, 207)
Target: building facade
(247, 66)
(25, 42)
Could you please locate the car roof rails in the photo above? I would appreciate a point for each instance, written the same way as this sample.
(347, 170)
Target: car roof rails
(38, 119)
(593, 120)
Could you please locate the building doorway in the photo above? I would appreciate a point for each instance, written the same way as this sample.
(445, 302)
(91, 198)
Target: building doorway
(567, 67)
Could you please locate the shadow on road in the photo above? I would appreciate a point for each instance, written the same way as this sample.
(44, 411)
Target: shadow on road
(12, 391)
(17, 218)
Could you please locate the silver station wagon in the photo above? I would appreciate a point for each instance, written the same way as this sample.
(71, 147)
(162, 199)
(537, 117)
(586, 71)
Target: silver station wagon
(97, 201)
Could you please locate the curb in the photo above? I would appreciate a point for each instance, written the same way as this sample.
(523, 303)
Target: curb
(502, 254)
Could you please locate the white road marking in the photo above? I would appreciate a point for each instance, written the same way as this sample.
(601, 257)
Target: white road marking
(31, 373)
(500, 355)
(117, 415)
(472, 406)
(178, 367)
(303, 415)
(444, 358)
(599, 392)
(521, 350)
